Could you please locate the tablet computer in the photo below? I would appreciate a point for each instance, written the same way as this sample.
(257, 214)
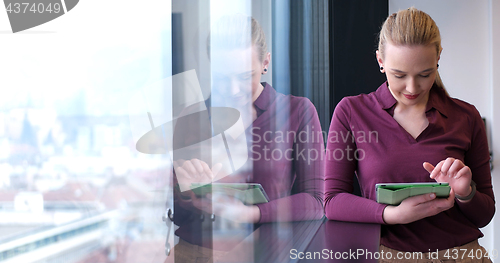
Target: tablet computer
(395, 193)
(248, 193)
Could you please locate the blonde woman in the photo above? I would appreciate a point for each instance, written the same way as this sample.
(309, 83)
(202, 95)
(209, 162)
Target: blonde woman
(422, 135)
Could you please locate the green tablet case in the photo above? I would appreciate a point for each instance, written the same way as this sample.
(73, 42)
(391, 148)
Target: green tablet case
(395, 193)
(249, 194)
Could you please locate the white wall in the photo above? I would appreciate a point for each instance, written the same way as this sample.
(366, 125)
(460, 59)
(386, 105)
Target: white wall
(468, 67)
(495, 110)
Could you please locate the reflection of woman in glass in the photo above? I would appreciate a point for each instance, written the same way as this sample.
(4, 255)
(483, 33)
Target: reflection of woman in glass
(416, 123)
(284, 138)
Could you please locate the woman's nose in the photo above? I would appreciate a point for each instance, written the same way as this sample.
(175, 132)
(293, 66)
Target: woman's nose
(234, 87)
(412, 86)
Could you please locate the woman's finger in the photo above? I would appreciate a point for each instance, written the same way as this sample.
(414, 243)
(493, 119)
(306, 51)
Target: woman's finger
(197, 165)
(181, 173)
(207, 170)
(443, 204)
(446, 165)
(429, 167)
(463, 172)
(419, 199)
(189, 167)
(438, 205)
(437, 170)
(455, 167)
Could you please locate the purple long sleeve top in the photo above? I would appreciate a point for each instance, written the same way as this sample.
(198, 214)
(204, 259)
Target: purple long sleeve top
(291, 171)
(365, 140)
(285, 152)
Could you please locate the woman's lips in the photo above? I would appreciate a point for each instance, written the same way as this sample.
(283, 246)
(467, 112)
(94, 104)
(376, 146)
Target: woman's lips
(411, 97)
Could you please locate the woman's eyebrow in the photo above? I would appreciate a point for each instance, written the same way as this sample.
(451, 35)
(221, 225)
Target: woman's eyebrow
(246, 73)
(427, 70)
(400, 71)
(397, 70)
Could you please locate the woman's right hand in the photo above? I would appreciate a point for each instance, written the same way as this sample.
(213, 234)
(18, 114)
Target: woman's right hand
(194, 171)
(417, 207)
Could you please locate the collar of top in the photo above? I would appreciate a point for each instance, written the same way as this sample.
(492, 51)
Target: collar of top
(436, 99)
(266, 98)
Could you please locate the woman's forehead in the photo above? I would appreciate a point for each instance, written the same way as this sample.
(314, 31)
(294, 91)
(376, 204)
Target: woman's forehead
(410, 55)
(235, 60)
(390, 47)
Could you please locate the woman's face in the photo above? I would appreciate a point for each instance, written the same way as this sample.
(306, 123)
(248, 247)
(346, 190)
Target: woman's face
(410, 71)
(236, 76)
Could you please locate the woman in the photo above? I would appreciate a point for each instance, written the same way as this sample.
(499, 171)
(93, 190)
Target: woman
(283, 135)
(413, 123)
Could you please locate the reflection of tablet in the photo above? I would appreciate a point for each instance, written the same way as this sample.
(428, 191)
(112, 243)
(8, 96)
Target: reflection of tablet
(395, 193)
(248, 193)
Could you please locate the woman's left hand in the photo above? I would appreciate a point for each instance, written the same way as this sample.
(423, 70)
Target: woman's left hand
(228, 207)
(454, 172)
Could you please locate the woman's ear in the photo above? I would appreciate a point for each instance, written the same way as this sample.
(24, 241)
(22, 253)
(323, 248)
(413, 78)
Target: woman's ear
(380, 62)
(267, 60)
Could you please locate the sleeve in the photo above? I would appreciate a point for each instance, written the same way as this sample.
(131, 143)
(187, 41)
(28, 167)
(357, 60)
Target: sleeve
(481, 208)
(340, 203)
(306, 198)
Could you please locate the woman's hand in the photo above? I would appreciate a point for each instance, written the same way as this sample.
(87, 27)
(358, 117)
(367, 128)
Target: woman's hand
(198, 172)
(454, 172)
(228, 207)
(194, 171)
(417, 207)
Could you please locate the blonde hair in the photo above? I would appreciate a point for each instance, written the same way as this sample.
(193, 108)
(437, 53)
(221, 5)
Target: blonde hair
(411, 27)
(238, 31)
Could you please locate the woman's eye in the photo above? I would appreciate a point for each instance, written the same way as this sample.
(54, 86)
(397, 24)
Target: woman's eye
(246, 77)
(425, 76)
(399, 76)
